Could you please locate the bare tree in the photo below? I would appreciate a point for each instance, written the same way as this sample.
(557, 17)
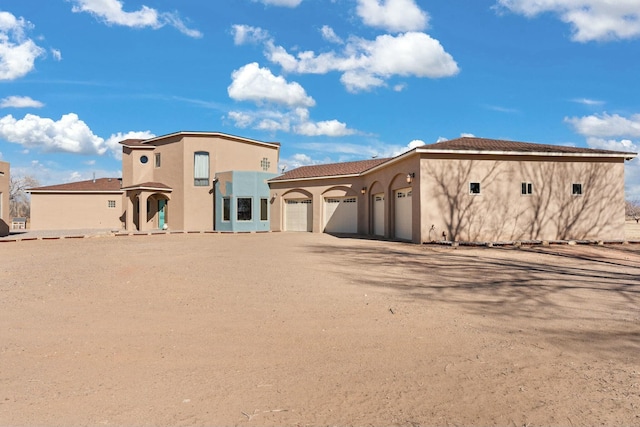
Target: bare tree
(19, 200)
(632, 210)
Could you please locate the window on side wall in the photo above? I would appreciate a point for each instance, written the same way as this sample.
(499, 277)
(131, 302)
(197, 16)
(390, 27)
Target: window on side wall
(576, 189)
(527, 189)
(474, 188)
(111, 203)
(226, 209)
(264, 210)
(244, 209)
(201, 169)
(157, 160)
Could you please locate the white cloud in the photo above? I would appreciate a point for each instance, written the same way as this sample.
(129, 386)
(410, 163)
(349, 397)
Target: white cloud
(296, 120)
(69, 134)
(393, 15)
(17, 52)
(590, 20)
(329, 35)
(111, 12)
(20, 102)
(259, 85)
(612, 144)
(57, 55)
(415, 143)
(588, 102)
(285, 3)
(366, 64)
(606, 125)
(243, 34)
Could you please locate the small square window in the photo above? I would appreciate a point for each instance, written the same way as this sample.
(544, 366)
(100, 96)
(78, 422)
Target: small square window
(527, 188)
(264, 210)
(576, 189)
(111, 203)
(226, 209)
(244, 209)
(157, 157)
(474, 188)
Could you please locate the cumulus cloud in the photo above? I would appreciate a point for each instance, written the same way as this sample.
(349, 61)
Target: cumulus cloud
(243, 34)
(606, 125)
(111, 12)
(20, 102)
(591, 20)
(297, 121)
(259, 85)
(366, 64)
(393, 15)
(17, 52)
(68, 134)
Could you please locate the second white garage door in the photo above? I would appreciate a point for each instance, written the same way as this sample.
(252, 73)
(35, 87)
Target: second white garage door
(298, 215)
(403, 220)
(341, 215)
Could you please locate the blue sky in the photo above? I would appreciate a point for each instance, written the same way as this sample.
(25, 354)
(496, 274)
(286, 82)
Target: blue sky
(331, 80)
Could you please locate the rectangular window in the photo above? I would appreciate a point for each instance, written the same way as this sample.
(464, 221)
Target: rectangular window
(111, 203)
(226, 209)
(576, 189)
(527, 188)
(201, 169)
(244, 209)
(157, 157)
(264, 210)
(474, 188)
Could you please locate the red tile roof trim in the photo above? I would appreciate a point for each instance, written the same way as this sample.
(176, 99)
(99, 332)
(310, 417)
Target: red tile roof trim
(100, 185)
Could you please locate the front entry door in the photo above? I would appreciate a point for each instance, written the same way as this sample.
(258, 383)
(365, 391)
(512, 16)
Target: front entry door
(161, 211)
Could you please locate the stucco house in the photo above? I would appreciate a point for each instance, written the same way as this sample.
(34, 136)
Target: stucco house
(4, 199)
(466, 189)
(180, 181)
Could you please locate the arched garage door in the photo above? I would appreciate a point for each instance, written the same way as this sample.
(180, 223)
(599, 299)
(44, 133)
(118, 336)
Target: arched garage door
(298, 215)
(403, 217)
(341, 215)
(378, 214)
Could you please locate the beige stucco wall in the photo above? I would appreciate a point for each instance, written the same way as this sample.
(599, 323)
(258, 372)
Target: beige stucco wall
(55, 211)
(442, 207)
(5, 221)
(191, 207)
(501, 212)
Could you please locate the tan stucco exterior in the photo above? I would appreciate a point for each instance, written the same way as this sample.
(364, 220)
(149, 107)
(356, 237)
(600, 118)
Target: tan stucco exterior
(73, 211)
(189, 207)
(159, 192)
(5, 178)
(442, 207)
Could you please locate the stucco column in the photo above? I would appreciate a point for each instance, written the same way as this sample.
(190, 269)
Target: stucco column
(129, 226)
(142, 214)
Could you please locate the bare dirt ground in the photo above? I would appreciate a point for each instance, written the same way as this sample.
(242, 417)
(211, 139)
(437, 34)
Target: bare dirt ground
(310, 329)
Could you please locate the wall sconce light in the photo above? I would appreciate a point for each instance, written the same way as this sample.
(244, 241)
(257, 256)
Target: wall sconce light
(364, 190)
(410, 177)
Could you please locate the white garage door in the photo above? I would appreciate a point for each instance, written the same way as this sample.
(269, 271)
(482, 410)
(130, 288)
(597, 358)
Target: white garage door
(403, 226)
(341, 215)
(298, 215)
(378, 214)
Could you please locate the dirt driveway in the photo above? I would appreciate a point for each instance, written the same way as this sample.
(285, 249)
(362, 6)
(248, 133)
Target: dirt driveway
(310, 329)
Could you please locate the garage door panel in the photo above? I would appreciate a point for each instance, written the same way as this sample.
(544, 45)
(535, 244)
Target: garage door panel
(341, 215)
(403, 214)
(298, 215)
(378, 214)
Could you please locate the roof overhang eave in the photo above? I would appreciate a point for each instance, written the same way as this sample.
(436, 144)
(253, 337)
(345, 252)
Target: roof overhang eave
(313, 178)
(625, 155)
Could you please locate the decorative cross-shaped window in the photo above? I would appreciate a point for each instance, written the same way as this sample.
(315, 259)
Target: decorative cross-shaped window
(265, 163)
